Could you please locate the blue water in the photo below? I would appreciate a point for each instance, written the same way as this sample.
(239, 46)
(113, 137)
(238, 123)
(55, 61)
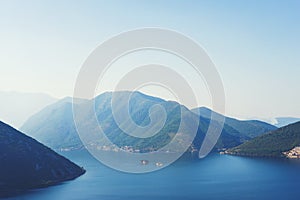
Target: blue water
(215, 177)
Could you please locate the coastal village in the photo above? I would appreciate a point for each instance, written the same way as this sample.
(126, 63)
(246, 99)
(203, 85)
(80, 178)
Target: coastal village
(294, 153)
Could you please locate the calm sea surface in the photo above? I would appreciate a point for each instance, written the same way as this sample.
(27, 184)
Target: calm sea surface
(215, 177)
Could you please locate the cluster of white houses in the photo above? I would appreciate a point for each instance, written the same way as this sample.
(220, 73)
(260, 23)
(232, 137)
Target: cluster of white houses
(294, 153)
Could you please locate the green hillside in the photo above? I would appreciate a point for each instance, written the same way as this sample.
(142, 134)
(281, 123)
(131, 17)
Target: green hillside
(54, 125)
(270, 144)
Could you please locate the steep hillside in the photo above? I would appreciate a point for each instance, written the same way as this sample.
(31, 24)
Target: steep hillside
(27, 164)
(273, 143)
(54, 126)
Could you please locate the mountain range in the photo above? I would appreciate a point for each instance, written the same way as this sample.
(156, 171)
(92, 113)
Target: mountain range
(27, 164)
(54, 125)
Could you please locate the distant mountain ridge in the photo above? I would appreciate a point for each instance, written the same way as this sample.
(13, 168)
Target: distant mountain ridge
(16, 107)
(271, 144)
(246, 128)
(27, 164)
(280, 121)
(284, 121)
(55, 126)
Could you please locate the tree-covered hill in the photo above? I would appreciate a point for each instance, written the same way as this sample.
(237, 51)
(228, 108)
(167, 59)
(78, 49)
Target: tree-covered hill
(26, 163)
(273, 143)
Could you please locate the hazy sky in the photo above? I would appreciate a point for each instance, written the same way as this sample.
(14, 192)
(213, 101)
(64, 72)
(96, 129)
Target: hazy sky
(254, 44)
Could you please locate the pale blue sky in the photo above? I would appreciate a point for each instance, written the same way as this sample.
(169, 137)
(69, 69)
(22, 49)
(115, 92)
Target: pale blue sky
(254, 44)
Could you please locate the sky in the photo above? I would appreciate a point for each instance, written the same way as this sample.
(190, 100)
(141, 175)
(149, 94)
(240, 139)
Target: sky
(254, 44)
